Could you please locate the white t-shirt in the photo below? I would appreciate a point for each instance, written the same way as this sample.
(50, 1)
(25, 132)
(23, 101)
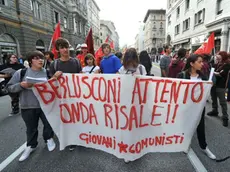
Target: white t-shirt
(195, 78)
(136, 71)
(87, 69)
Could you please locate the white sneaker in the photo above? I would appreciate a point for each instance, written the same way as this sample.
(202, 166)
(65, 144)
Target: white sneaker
(209, 153)
(126, 161)
(51, 144)
(28, 150)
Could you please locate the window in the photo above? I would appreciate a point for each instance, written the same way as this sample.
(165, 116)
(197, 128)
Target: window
(56, 17)
(36, 9)
(154, 26)
(75, 27)
(187, 4)
(186, 24)
(65, 22)
(169, 19)
(101, 33)
(177, 29)
(178, 12)
(161, 25)
(161, 17)
(199, 17)
(80, 26)
(3, 2)
(219, 7)
(161, 32)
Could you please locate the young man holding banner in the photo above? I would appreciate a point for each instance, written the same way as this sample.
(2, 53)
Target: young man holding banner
(65, 64)
(21, 83)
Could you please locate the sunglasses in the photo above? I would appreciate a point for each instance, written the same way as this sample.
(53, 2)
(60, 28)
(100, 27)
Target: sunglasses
(39, 58)
(13, 57)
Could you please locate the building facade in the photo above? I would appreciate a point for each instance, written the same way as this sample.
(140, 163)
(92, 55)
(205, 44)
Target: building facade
(112, 33)
(154, 30)
(94, 22)
(139, 39)
(104, 32)
(27, 25)
(190, 22)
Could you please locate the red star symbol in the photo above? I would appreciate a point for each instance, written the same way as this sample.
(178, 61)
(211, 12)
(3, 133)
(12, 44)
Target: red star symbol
(123, 147)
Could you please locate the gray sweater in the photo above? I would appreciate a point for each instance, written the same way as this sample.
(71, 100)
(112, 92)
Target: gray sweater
(27, 98)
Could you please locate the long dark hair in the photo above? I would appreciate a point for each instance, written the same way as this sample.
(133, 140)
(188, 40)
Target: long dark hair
(9, 56)
(181, 53)
(130, 57)
(192, 59)
(145, 61)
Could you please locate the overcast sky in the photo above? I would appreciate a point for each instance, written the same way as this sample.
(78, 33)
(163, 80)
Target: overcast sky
(126, 15)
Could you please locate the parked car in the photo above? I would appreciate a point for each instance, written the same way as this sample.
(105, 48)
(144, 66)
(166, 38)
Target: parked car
(3, 90)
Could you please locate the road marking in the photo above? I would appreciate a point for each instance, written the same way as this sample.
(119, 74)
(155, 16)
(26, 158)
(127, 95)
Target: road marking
(196, 163)
(8, 160)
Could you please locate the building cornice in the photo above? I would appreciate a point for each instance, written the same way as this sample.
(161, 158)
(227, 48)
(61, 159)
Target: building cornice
(215, 22)
(153, 11)
(96, 5)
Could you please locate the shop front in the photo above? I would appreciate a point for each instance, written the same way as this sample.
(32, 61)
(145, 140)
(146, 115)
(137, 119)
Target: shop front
(8, 45)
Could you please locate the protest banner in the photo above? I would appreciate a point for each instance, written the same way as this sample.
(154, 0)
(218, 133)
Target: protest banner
(127, 116)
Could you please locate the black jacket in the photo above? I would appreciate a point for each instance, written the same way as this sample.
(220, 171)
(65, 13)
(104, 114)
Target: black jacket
(186, 75)
(222, 79)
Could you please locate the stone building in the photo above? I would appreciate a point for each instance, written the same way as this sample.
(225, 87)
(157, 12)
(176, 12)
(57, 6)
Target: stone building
(27, 25)
(110, 31)
(154, 30)
(190, 22)
(94, 22)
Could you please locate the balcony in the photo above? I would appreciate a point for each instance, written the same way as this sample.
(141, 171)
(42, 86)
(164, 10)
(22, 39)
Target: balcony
(74, 6)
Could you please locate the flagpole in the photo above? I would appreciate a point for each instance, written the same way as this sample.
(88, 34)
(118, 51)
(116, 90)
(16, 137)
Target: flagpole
(50, 44)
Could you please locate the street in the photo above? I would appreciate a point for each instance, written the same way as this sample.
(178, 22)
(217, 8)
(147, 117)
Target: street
(13, 136)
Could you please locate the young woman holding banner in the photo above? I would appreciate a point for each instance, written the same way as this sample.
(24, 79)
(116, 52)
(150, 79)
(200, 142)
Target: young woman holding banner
(192, 71)
(131, 64)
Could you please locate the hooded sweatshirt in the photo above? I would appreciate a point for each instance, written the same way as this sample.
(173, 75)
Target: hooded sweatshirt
(27, 98)
(175, 67)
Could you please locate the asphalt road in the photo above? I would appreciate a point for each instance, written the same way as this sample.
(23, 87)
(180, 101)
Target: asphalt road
(12, 136)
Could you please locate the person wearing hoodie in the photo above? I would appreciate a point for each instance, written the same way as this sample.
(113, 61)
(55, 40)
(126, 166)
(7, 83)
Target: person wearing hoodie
(177, 63)
(12, 62)
(110, 63)
(30, 107)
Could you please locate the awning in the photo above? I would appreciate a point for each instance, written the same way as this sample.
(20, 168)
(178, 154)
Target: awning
(181, 41)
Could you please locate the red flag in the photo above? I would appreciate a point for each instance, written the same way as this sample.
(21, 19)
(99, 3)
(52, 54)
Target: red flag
(206, 47)
(211, 43)
(112, 45)
(56, 35)
(89, 41)
(107, 39)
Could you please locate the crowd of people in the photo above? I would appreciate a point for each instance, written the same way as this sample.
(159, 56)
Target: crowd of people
(39, 65)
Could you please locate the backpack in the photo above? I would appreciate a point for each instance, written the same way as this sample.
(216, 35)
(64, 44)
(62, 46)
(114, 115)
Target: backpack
(23, 72)
(76, 62)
